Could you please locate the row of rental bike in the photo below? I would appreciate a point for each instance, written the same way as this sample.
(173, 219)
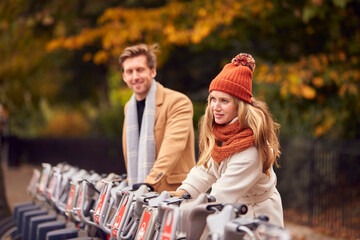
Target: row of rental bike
(72, 203)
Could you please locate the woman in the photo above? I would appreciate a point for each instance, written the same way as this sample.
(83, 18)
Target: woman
(238, 146)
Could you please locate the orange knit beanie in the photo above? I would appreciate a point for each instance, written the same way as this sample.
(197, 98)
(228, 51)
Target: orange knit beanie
(236, 77)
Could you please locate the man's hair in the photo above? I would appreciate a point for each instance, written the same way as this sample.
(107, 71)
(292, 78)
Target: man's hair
(140, 49)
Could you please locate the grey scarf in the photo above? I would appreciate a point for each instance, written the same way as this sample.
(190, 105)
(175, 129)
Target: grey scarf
(141, 150)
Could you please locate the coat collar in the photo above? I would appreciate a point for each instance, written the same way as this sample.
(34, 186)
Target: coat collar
(159, 98)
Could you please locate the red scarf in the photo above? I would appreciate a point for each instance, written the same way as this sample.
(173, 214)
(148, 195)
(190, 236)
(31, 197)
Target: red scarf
(234, 139)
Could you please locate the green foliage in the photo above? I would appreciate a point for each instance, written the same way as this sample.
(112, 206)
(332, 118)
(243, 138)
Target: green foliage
(28, 121)
(110, 122)
(29, 75)
(199, 110)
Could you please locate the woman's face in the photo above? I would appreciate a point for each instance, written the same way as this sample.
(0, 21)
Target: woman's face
(223, 107)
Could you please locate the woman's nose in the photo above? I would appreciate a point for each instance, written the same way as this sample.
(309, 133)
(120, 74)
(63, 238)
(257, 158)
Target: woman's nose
(217, 106)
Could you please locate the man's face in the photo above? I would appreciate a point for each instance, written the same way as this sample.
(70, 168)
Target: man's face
(138, 76)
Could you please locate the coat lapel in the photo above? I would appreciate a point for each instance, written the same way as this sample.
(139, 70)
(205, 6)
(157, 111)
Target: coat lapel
(159, 99)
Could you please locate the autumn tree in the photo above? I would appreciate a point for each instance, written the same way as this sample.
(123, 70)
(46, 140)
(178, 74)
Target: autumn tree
(307, 54)
(37, 86)
(307, 51)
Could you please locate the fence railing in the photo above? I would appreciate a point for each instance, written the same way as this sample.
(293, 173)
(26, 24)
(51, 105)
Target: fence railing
(319, 180)
(102, 155)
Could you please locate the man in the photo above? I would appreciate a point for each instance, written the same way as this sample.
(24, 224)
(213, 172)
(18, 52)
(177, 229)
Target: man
(158, 133)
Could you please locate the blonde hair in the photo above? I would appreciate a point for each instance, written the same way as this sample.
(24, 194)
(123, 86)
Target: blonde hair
(255, 116)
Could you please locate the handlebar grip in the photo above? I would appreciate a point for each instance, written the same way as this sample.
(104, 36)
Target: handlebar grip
(186, 196)
(211, 198)
(263, 218)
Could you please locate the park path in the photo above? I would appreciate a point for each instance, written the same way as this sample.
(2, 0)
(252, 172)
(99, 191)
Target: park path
(17, 178)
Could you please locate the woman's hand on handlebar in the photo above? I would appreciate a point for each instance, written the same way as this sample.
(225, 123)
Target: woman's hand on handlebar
(178, 193)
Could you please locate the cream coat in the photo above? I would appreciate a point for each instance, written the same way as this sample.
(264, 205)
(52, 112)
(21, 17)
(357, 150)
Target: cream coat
(239, 179)
(174, 138)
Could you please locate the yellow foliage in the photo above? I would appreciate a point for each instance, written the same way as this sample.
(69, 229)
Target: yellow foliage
(87, 57)
(318, 82)
(60, 29)
(298, 79)
(202, 12)
(326, 125)
(284, 91)
(342, 89)
(315, 63)
(54, 44)
(350, 88)
(294, 79)
(308, 92)
(178, 23)
(67, 124)
(334, 76)
(70, 43)
(100, 57)
(295, 89)
(356, 75)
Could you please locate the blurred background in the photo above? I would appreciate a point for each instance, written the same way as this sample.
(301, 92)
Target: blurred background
(62, 95)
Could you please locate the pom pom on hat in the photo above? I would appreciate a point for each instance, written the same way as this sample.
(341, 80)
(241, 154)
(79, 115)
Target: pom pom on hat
(236, 77)
(245, 60)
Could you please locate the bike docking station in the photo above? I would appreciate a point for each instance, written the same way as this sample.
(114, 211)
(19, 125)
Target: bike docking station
(72, 203)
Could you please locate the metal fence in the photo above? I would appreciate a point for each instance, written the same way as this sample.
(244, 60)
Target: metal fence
(319, 181)
(102, 155)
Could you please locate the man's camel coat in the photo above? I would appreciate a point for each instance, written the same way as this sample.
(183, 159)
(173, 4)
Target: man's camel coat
(174, 138)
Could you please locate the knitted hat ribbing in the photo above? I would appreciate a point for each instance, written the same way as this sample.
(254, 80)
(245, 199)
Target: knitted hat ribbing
(236, 77)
